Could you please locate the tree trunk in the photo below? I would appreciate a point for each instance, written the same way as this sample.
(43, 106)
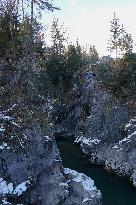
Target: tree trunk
(17, 3)
(116, 56)
(23, 9)
(32, 10)
(32, 16)
(10, 16)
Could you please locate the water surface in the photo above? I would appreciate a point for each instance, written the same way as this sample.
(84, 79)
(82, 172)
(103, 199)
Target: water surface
(115, 190)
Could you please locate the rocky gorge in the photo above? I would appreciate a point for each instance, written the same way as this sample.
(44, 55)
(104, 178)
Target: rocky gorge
(100, 125)
(67, 112)
(31, 170)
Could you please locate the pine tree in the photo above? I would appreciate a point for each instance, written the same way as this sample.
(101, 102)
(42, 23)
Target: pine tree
(120, 41)
(73, 59)
(126, 42)
(114, 42)
(93, 55)
(42, 4)
(56, 58)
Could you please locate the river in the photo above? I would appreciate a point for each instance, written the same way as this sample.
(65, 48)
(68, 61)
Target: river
(115, 190)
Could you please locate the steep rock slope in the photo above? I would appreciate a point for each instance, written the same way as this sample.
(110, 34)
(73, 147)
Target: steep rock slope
(30, 166)
(97, 121)
(31, 170)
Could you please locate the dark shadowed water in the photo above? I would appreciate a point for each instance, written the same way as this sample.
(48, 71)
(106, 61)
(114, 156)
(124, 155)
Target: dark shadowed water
(115, 190)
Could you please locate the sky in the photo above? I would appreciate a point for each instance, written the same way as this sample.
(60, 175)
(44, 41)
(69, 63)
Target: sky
(89, 20)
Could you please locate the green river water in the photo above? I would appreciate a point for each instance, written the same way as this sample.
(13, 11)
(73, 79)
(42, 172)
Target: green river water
(115, 190)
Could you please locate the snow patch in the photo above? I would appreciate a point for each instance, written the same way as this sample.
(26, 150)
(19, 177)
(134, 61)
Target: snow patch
(4, 145)
(4, 201)
(17, 125)
(133, 120)
(63, 184)
(90, 141)
(125, 140)
(130, 123)
(89, 116)
(87, 183)
(127, 125)
(10, 108)
(115, 147)
(2, 129)
(5, 117)
(6, 188)
(21, 188)
(47, 138)
(86, 199)
(78, 139)
(134, 133)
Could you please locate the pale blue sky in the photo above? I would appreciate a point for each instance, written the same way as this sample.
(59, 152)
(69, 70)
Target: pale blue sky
(89, 20)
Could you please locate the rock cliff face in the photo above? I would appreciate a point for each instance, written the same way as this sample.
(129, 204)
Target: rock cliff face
(106, 139)
(99, 123)
(122, 156)
(31, 171)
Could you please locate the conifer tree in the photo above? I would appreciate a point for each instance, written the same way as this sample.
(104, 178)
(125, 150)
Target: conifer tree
(73, 59)
(126, 41)
(42, 4)
(56, 59)
(93, 55)
(114, 42)
(120, 41)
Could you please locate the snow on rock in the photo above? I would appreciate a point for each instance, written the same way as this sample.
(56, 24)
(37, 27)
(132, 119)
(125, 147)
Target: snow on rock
(78, 139)
(14, 123)
(6, 188)
(127, 125)
(133, 120)
(115, 147)
(134, 133)
(63, 184)
(21, 188)
(89, 141)
(4, 201)
(124, 140)
(86, 200)
(10, 108)
(4, 145)
(5, 117)
(83, 190)
(130, 123)
(87, 182)
(89, 116)
(127, 139)
(2, 129)
(47, 138)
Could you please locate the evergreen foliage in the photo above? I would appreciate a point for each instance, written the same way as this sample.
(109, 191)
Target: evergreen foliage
(49, 70)
(120, 40)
